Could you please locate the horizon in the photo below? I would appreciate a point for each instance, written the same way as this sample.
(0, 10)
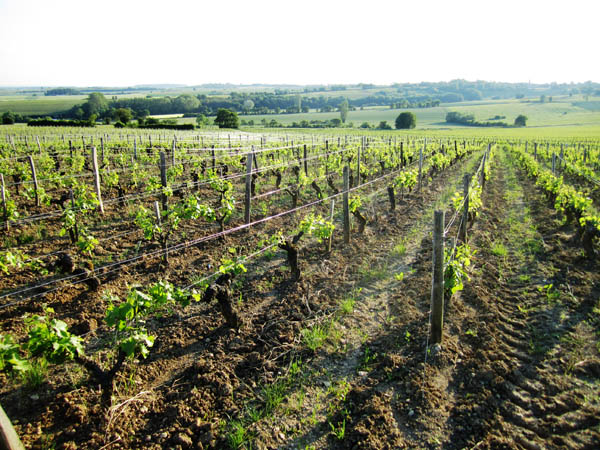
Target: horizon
(80, 44)
(207, 84)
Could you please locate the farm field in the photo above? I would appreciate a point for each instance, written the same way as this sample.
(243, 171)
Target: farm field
(273, 289)
(563, 111)
(39, 104)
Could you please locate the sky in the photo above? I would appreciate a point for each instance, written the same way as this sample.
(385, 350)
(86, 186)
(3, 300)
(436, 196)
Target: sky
(130, 42)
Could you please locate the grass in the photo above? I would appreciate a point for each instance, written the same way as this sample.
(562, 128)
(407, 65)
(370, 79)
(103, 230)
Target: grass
(315, 336)
(369, 274)
(238, 436)
(499, 249)
(36, 375)
(367, 359)
(399, 250)
(347, 305)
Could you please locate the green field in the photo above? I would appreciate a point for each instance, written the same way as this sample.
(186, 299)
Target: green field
(39, 105)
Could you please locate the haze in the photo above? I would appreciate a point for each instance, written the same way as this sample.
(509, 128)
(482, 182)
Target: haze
(122, 43)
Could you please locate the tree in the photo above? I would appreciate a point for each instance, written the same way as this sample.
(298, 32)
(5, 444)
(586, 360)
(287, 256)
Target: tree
(471, 94)
(8, 118)
(142, 114)
(248, 105)
(123, 115)
(186, 103)
(227, 119)
(406, 120)
(343, 111)
(201, 120)
(95, 104)
(521, 121)
(383, 125)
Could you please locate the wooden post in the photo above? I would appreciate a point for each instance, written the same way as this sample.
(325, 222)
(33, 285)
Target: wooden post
(421, 166)
(553, 163)
(463, 228)
(214, 159)
(305, 161)
(37, 139)
(163, 178)
(71, 149)
(585, 150)
(173, 153)
(75, 232)
(326, 158)
(4, 205)
(437, 286)
(9, 439)
(402, 154)
(562, 156)
(392, 197)
(157, 213)
(331, 220)
(358, 162)
(97, 179)
(248, 196)
(134, 148)
(346, 205)
(102, 150)
(534, 150)
(35, 181)
(483, 167)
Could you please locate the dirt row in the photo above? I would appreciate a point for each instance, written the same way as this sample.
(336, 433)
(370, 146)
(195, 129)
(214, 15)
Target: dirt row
(520, 364)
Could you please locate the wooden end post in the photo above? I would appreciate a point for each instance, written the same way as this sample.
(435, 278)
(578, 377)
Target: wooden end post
(437, 286)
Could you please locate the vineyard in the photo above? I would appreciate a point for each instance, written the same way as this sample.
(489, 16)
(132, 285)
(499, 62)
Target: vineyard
(300, 291)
